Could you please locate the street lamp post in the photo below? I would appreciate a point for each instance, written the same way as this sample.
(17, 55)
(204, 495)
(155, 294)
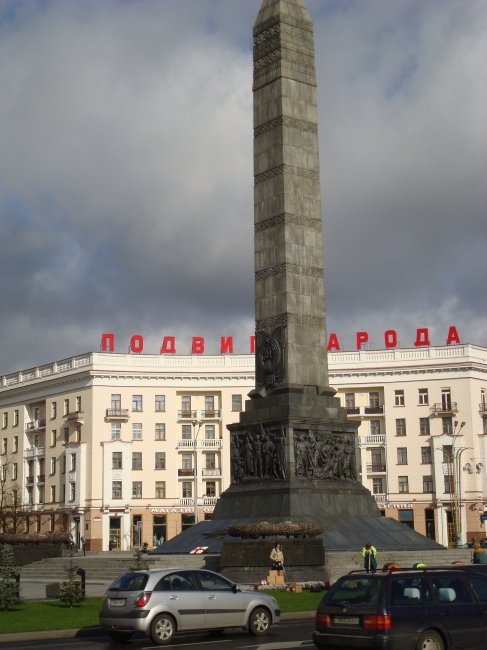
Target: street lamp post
(196, 423)
(455, 484)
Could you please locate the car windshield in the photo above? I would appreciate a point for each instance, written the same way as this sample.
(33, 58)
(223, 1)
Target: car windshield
(130, 582)
(355, 591)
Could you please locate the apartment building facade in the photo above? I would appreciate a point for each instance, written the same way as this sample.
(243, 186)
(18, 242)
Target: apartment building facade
(123, 449)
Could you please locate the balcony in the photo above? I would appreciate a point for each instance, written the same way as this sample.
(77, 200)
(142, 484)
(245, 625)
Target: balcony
(35, 425)
(374, 410)
(483, 409)
(212, 472)
(35, 452)
(211, 414)
(364, 411)
(186, 502)
(187, 415)
(29, 480)
(204, 443)
(210, 501)
(189, 471)
(376, 439)
(444, 408)
(380, 498)
(119, 415)
(376, 468)
(76, 416)
(41, 478)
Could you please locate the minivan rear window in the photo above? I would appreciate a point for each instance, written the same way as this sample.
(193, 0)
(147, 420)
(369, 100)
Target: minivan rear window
(355, 591)
(130, 582)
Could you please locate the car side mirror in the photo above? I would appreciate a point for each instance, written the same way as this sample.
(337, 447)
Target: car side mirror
(235, 589)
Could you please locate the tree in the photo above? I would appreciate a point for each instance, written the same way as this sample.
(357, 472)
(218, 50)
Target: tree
(9, 585)
(70, 590)
(12, 516)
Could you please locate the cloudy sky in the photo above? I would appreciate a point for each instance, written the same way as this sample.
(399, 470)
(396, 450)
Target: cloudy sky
(126, 191)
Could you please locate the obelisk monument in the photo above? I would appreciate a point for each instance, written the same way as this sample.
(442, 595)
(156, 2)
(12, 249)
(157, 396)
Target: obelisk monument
(293, 451)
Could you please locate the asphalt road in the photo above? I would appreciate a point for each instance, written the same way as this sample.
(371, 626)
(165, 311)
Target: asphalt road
(288, 635)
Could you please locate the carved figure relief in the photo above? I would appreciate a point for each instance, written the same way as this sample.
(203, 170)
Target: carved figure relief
(325, 456)
(258, 454)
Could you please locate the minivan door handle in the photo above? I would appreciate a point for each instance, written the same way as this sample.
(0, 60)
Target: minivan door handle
(211, 597)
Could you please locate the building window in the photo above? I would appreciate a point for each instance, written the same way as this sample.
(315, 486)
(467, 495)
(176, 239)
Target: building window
(400, 426)
(66, 435)
(375, 427)
(73, 463)
(137, 460)
(210, 460)
(210, 489)
(186, 406)
(446, 399)
(53, 494)
(403, 484)
(116, 430)
(398, 398)
(53, 466)
(402, 455)
(116, 460)
(160, 489)
(14, 471)
(137, 489)
(209, 406)
(236, 402)
(209, 432)
(52, 523)
(424, 426)
(137, 403)
(406, 517)
(186, 461)
(423, 396)
(66, 407)
(116, 402)
(428, 484)
(448, 484)
(186, 432)
(426, 455)
(160, 403)
(4, 446)
(63, 464)
(160, 431)
(116, 489)
(53, 410)
(447, 452)
(78, 404)
(374, 399)
(160, 460)
(350, 400)
(378, 485)
(136, 430)
(53, 437)
(15, 447)
(187, 489)
(4, 473)
(447, 425)
(5, 420)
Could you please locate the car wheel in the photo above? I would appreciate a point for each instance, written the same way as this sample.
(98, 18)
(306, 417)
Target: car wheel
(430, 640)
(163, 629)
(259, 621)
(120, 636)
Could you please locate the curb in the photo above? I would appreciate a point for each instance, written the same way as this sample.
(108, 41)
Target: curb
(88, 632)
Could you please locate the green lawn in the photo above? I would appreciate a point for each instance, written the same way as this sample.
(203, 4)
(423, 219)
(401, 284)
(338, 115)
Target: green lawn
(32, 616)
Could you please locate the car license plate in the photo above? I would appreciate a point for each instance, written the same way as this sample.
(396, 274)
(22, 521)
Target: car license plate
(345, 620)
(117, 602)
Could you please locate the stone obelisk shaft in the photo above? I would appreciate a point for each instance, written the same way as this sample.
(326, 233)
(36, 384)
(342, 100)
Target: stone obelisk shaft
(289, 285)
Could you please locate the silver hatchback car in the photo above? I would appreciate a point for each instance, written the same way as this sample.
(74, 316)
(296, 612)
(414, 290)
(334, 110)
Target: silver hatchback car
(162, 602)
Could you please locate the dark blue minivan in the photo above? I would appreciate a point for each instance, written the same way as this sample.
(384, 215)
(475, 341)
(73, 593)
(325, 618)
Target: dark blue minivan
(405, 609)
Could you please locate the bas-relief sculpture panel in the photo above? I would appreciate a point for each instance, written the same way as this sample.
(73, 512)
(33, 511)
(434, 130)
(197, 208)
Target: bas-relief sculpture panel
(260, 453)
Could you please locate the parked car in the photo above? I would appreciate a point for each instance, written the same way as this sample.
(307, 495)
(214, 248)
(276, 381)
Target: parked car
(163, 602)
(427, 608)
